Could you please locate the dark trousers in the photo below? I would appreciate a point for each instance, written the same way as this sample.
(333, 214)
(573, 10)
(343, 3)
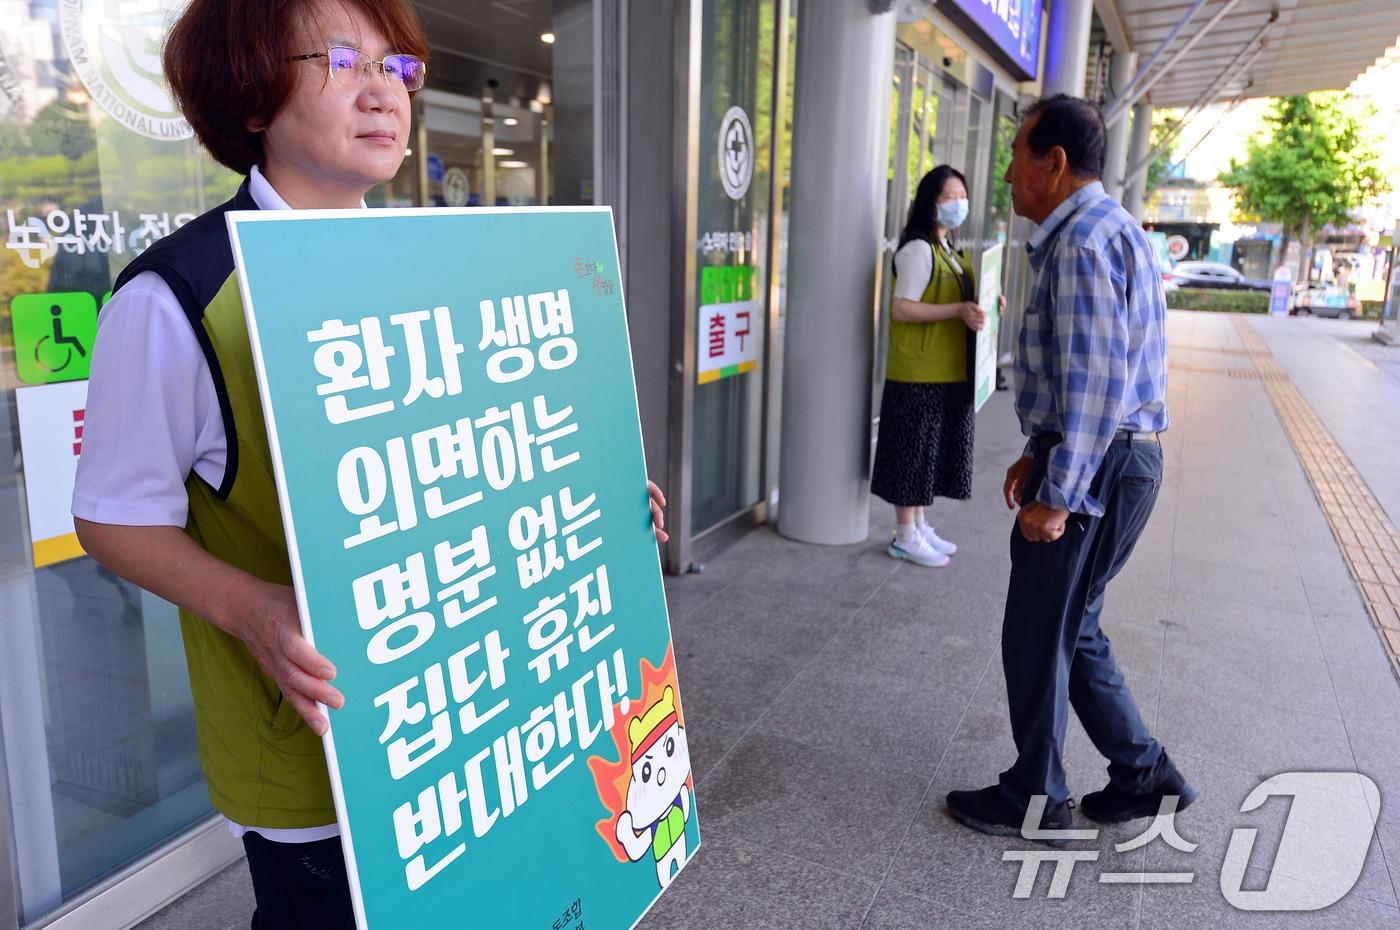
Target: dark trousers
(299, 886)
(1053, 652)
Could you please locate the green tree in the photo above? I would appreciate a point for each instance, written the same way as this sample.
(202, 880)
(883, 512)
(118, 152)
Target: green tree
(1162, 131)
(1003, 134)
(1313, 164)
(14, 141)
(62, 129)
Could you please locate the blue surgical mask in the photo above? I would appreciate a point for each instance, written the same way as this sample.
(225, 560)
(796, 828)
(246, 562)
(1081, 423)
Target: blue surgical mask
(952, 213)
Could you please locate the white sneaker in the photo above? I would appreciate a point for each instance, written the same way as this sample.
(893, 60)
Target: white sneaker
(937, 542)
(916, 549)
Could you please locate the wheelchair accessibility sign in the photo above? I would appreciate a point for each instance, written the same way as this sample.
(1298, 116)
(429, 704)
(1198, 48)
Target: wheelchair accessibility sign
(53, 336)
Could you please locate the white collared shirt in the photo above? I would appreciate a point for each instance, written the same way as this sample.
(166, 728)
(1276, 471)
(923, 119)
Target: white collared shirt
(913, 265)
(152, 412)
(153, 418)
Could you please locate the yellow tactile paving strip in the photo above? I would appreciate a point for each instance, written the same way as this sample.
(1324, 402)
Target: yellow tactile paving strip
(1369, 541)
(1222, 350)
(1248, 373)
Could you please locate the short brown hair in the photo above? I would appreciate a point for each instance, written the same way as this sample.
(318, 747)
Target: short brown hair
(226, 63)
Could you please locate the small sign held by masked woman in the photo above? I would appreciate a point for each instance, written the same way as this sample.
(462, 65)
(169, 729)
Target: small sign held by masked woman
(989, 299)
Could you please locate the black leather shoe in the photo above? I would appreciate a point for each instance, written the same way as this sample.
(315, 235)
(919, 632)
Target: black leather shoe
(1112, 805)
(986, 811)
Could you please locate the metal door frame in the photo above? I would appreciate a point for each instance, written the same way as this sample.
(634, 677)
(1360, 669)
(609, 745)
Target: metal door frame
(9, 878)
(152, 882)
(685, 195)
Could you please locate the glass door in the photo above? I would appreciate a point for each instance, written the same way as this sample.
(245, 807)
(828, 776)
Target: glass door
(736, 130)
(1001, 227)
(483, 153)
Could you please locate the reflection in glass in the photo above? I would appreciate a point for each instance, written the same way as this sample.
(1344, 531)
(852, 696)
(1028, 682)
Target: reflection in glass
(99, 757)
(737, 70)
(98, 727)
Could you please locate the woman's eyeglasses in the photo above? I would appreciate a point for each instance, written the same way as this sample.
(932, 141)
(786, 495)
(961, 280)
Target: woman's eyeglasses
(350, 64)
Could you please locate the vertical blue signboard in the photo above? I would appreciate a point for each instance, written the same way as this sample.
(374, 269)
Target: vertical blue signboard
(1281, 294)
(1012, 27)
(1391, 292)
(453, 421)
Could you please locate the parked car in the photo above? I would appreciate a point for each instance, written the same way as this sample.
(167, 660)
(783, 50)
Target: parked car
(1214, 274)
(1325, 301)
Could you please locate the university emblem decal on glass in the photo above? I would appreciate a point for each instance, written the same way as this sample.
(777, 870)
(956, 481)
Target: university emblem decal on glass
(453, 423)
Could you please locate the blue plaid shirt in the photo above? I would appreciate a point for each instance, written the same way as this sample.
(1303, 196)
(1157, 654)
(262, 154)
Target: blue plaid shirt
(1093, 347)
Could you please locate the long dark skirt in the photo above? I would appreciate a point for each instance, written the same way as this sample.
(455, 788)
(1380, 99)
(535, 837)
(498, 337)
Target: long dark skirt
(925, 444)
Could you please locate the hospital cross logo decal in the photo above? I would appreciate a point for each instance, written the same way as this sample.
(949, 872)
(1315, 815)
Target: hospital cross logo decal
(735, 153)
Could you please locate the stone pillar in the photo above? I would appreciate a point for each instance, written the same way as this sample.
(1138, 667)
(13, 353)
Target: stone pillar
(1067, 47)
(845, 53)
(1116, 161)
(1135, 195)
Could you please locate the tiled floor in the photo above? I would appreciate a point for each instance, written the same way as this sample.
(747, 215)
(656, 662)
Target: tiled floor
(833, 696)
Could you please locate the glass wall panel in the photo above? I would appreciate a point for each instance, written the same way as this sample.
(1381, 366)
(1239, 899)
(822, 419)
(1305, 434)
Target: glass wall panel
(498, 78)
(906, 152)
(937, 118)
(921, 133)
(737, 73)
(1003, 227)
(95, 165)
(938, 127)
(998, 205)
(99, 763)
(974, 169)
(778, 274)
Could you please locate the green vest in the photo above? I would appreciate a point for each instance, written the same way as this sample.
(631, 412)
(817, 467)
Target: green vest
(264, 765)
(669, 830)
(933, 353)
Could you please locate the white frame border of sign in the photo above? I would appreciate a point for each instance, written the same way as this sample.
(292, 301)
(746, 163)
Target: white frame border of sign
(233, 219)
(989, 338)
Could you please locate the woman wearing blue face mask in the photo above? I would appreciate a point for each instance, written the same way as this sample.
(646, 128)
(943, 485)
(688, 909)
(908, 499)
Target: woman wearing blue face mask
(926, 413)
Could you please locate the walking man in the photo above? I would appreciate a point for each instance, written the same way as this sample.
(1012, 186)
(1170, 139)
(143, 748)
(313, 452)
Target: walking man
(1091, 382)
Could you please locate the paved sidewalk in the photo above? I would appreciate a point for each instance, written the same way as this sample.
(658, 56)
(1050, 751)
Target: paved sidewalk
(833, 696)
(1353, 382)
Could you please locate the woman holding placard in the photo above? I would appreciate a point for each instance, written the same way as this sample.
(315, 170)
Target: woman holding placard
(926, 412)
(175, 492)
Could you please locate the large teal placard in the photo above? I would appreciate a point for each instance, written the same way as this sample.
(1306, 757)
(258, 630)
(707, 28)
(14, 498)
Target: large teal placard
(453, 418)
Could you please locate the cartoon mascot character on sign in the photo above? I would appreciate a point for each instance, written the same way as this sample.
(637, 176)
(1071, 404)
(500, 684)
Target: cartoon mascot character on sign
(658, 801)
